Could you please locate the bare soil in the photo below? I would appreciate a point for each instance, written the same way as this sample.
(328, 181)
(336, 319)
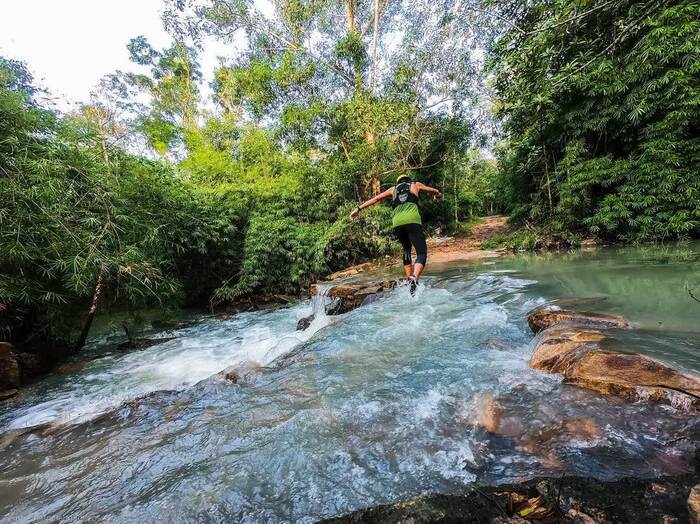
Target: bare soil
(447, 249)
(469, 247)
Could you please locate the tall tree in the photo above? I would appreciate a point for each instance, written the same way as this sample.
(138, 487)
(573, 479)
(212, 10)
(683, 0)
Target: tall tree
(343, 69)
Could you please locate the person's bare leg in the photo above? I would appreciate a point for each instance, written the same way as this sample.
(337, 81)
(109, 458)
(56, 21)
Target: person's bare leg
(417, 270)
(408, 270)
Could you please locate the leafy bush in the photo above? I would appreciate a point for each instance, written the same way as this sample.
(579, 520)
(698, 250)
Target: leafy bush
(600, 111)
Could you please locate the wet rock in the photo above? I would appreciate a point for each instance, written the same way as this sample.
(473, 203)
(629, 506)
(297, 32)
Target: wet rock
(489, 412)
(20, 364)
(582, 428)
(240, 373)
(624, 374)
(142, 343)
(543, 318)
(304, 323)
(71, 367)
(694, 504)
(577, 354)
(8, 393)
(558, 347)
(563, 499)
(346, 297)
(354, 270)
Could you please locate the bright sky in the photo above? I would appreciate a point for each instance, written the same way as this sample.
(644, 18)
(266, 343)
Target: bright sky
(70, 44)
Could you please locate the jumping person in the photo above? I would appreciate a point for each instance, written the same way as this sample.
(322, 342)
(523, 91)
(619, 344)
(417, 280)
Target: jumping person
(406, 221)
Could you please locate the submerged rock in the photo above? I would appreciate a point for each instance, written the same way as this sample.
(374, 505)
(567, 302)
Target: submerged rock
(142, 343)
(489, 412)
(543, 318)
(243, 372)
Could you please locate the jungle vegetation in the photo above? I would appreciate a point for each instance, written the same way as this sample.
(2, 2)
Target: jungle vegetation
(161, 190)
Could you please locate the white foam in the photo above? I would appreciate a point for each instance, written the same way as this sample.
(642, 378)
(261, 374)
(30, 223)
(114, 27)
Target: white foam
(194, 356)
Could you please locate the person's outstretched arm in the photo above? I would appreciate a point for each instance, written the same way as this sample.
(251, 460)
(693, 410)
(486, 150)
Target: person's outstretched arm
(428, 189)
(374, 200)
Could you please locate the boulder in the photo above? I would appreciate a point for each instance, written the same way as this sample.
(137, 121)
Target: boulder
(543, 318)
(577, 354)
(305, 322)
(559, 346)
(346, 297)
(629, 375)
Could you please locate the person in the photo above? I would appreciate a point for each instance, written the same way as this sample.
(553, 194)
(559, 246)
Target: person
(406, 221)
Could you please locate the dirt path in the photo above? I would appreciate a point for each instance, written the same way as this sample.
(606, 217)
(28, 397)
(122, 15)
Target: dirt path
(448, 249)
(466, 248)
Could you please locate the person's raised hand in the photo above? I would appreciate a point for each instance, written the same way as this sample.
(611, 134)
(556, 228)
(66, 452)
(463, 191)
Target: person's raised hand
(355, 214)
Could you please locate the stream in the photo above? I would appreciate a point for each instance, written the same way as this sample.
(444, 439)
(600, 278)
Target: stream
(362, 409)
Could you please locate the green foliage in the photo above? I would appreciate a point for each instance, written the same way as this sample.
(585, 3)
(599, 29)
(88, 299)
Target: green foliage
(600, 109)
(280, 255)
(348, 243)
(73, 217)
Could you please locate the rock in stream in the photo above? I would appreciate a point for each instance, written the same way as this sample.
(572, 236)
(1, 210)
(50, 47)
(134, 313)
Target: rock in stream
(571, 343)
(346, 297)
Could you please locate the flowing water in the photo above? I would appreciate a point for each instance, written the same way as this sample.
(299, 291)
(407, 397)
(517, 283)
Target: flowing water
(370, 407)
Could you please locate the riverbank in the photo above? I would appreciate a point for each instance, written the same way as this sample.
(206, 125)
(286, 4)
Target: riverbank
(548, 500)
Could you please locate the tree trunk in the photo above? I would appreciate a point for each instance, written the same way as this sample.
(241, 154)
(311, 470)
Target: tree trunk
(373, 69)
(350, 14)
(376, 185)
(90, 316)
(546, 174)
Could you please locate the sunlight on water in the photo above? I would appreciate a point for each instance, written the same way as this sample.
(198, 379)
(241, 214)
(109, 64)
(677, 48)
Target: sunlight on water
(377, 405)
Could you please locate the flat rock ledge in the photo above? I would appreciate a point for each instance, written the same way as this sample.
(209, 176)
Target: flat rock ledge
(573, 344)
(346, 297)
(543, 318)
(579, 500)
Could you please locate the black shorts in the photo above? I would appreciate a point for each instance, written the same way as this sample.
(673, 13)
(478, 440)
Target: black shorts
(411, 235)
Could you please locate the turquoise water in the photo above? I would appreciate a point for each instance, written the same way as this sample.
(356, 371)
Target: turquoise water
(371, 407)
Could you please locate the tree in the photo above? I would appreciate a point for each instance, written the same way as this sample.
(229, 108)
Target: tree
(364, 89)
(599, 109)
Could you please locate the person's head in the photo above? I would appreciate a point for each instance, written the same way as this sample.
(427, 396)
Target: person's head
(404, 177)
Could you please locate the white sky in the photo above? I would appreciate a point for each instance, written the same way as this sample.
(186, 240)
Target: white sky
(70, 44)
